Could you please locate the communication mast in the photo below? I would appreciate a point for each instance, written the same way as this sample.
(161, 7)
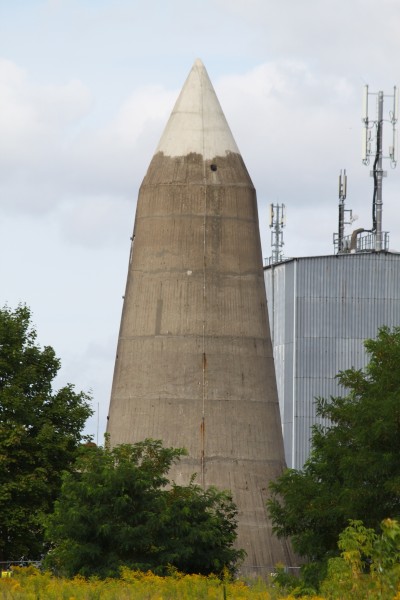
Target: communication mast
(342, 198)
(342, 243)
(372, 146)
(277, 223)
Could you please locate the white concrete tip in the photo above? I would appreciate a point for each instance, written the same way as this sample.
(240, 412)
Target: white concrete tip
(197, 123)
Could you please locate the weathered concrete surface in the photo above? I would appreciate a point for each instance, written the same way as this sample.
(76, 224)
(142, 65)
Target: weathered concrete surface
(194, 363)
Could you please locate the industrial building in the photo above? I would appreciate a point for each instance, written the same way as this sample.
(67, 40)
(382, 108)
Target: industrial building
(321, 309)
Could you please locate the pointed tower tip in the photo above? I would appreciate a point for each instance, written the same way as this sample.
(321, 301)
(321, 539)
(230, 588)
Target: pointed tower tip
(197, 123)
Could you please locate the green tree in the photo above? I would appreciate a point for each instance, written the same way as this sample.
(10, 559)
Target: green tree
(40, 431)
(368, 566)
(199, 530)
(354, 470)
(114, 510)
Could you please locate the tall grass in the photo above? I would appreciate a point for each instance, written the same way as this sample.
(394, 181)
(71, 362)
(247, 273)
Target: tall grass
(31, 584)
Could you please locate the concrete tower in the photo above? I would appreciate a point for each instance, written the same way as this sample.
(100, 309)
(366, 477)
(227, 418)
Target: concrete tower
(194, 364)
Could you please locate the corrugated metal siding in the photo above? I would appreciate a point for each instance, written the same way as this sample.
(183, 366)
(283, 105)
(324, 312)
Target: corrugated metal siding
(321, 310)
(279, 285)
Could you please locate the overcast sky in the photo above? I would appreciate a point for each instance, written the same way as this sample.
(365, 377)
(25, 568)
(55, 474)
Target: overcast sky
(86, 88)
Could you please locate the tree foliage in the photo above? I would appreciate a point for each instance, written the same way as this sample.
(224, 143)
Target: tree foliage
(353, 472)
(40, 431)
(368, 566)
(114, 510)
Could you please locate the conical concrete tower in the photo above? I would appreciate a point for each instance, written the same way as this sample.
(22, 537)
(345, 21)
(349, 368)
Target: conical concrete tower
(194, 364)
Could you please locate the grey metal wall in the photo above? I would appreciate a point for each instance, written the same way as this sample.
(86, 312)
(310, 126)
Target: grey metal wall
(321, 310)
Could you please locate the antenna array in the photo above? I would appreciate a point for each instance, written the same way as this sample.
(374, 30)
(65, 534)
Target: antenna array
(372, 146)
(342, 198)
(340, 242)
(277, 223)
(368, 139)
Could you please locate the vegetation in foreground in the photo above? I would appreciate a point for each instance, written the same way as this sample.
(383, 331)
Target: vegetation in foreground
(368, 568)
(28, 584)
(110, 511)
(99, 508)
(40, 433)
(353, 473)
(114, 510)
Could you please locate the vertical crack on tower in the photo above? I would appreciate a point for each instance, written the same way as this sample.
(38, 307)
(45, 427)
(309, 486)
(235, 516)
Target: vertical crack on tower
(202, 440)
(204, 375)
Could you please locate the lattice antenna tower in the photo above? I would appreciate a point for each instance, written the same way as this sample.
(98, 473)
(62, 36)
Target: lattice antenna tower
(340, 242)
(342, 198)
(277, 222)
(372, 147)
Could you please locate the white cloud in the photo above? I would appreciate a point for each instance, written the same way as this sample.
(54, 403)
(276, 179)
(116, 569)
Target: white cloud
(296, 128)
(92, 221)
(288, 117)
(113, 158)
(53, 155)
(285, 116)
(33, 118)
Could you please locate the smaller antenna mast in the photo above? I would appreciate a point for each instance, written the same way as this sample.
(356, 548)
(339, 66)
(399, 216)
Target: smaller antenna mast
(277, 223)
(340, 242)
(342, 198)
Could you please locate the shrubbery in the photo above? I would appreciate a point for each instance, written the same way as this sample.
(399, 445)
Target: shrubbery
(353, 472)
(114, 510)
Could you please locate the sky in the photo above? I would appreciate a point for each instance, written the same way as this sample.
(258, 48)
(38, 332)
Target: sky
(86, 89)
